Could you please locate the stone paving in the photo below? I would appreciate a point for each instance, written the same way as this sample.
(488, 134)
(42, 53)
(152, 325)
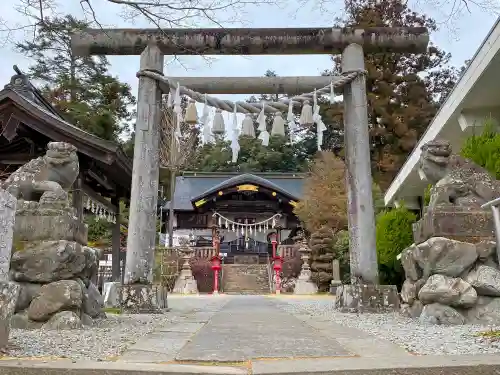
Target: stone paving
(244, 328)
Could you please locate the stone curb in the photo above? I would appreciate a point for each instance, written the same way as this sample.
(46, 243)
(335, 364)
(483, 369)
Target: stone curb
(407, 365)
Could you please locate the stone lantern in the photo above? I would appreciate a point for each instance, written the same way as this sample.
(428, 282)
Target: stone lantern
(185, 283)
(304, 285)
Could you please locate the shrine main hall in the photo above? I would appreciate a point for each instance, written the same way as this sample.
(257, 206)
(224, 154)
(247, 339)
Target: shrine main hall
(246, 212)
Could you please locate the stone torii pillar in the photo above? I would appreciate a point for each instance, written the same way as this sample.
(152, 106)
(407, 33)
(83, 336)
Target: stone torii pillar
(351, 42)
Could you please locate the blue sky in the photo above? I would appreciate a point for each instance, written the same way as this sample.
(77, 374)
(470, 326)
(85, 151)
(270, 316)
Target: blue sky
(461, 39)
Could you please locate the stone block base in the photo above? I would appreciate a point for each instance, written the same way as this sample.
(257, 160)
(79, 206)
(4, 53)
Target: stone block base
(367, 298)
(35, 223)
(305, 287)
(9, 292)
(110, 294)
(142, 299)
(457, 223)
(334, 285)
(185, 285)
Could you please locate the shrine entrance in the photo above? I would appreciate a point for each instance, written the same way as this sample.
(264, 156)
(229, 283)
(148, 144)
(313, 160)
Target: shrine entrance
(153, 45)
(247, 213)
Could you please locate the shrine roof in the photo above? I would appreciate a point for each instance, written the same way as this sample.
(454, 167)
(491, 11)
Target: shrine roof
(192, 185)
(22, 103)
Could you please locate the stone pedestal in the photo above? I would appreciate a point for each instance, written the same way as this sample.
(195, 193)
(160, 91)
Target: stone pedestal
(9, 292)
(304, 285)
(359, 298)
(35, 222)
(185, 283)
(466, 224)
(141, 299)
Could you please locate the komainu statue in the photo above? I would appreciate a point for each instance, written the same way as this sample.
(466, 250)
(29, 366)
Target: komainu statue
(457, 181)
(46, 179)
(452, 269)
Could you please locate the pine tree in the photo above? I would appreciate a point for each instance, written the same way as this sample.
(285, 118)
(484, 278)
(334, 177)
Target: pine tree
(404, 91)
(322, 246)
(81, 88)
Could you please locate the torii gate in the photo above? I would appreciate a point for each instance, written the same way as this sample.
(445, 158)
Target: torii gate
(153, 44)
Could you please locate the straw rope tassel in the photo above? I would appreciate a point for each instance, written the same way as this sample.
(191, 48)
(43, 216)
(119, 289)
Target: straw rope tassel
(320, 125)
(204, 122)
(261, 120)
(290, 118)
(235, 146)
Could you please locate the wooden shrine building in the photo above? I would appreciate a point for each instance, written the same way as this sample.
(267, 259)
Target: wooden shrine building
(243, 210)
(28, 123)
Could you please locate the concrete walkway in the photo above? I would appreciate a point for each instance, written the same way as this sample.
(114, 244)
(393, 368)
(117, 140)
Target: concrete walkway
(237, 329)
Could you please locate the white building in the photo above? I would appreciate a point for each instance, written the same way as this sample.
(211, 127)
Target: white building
(475, 98)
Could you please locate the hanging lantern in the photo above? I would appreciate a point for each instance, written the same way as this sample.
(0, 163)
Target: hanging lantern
(306, 117)
(278, 125)
(191, 113)
(274, 223)
(226, 224)
(247, 127)
(219, 221)
(218, 126)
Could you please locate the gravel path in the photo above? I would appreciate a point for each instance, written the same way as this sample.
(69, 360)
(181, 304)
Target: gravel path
(408, 333)
(108, 339)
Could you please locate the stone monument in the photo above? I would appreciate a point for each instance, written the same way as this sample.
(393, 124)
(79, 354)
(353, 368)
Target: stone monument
(185, 283)
(336, 280)
(304, 285)
(51, 263)
(452, 271)
(9, 291)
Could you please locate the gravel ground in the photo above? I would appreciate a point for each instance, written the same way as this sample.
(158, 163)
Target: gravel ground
(408, 333)
(107, 339)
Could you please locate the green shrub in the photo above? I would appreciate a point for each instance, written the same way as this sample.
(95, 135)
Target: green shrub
(341, 252)
(484, 149)
(394, 234)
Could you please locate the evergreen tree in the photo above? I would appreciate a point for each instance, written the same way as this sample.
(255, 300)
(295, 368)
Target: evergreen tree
(404, 91)
(81, 88)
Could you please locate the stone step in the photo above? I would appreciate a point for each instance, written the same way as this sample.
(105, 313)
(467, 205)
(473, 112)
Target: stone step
(245, 279)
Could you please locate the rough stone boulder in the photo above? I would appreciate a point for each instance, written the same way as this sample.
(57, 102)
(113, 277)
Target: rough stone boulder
(54, 297)
(21, 320)
(444, 256)
(92, 302)
(412, 270)
(435, 313)
(63, 320)
(486, 311)
(49, 261)
(447, 291)
(410, 289)
(412, 311)
(28, 291)
(486, 280)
